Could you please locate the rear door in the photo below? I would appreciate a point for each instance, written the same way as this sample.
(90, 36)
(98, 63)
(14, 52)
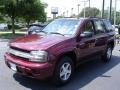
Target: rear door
(100, 36)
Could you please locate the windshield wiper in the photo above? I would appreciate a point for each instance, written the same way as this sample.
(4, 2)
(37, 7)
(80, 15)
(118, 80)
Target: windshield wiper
(56, 33)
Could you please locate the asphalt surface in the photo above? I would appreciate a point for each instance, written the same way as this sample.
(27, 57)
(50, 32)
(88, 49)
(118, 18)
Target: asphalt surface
(94, 75)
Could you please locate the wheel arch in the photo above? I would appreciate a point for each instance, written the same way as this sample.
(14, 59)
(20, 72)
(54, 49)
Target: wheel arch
(70, 54)
(112, 44)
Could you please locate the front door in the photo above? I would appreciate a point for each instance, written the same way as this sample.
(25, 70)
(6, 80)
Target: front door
(86, 45)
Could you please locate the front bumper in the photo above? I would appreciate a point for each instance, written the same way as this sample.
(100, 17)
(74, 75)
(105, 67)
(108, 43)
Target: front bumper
(30, 69)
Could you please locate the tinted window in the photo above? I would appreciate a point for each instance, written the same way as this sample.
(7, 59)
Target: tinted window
(89, 26)
(63, 26)
(99, 27)
(108, 25)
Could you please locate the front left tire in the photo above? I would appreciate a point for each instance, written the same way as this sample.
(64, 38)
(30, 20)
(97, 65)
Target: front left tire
(64, 71)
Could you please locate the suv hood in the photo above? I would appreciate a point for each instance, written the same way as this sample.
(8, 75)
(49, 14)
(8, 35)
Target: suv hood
(37, 42)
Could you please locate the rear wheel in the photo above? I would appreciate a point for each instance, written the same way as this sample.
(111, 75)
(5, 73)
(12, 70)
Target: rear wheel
(64, 71)
(108, 54)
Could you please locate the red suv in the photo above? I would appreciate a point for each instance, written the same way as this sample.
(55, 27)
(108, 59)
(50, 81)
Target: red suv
(60, 47)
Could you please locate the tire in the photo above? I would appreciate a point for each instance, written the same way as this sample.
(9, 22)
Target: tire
(64, 71)
(108, 54)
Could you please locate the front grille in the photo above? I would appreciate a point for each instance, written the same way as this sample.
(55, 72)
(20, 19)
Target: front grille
(18, 49)
(18, 57)
(19, 53)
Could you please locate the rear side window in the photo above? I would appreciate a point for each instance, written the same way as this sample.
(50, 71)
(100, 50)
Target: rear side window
(108, 25)
(99, 27)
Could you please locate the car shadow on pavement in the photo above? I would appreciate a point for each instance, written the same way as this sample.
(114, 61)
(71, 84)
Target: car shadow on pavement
(83, 76)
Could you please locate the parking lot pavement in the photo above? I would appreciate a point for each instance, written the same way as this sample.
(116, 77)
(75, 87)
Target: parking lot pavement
(93, 75)
(3, 48)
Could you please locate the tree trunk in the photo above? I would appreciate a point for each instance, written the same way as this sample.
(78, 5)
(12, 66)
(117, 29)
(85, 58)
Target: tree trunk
(13, 24)
(28, 23)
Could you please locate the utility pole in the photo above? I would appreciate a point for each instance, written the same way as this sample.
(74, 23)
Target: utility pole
(89, 8)
(103, 8)
(63, 14)
(108, 13)
(89, 3)
(67, 13)
(115, 13)
(84, 6)
(110, 10)
(71, 12)
(84, 9)
(78, 10)
(54, 16)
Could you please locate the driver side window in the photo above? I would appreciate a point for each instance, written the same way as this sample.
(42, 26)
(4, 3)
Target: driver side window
(88, 27)
(88, 30)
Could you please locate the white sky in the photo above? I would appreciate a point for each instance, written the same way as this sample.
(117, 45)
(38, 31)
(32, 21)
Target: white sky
(64, 5)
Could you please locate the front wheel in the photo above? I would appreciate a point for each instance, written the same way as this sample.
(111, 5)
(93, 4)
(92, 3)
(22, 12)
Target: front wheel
(64, 71)
(108, 54)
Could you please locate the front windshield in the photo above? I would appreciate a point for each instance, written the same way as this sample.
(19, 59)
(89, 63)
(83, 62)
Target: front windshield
(62, 26)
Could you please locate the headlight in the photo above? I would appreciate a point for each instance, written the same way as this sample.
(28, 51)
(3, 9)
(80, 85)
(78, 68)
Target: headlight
(39, 56)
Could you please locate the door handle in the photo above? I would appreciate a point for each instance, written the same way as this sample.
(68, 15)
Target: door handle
(80, 45)
(91, 45)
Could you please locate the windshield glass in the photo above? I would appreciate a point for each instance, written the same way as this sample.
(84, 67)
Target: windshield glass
(62, 26)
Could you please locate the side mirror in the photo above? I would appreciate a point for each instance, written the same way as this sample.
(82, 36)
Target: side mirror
(86, 34)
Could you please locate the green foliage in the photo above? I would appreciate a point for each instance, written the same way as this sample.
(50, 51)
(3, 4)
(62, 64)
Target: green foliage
(106, 15)
(1, 18)
(32, 10)
(11, 8)
(90, 12)
(29, 10)
(1, 10)
(118, 18)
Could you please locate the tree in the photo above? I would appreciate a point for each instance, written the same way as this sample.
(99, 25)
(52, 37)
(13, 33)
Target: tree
(106, 15)
(11, 10)
(1, 10)
(32, 10)
(90, 12)
(27, 9)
